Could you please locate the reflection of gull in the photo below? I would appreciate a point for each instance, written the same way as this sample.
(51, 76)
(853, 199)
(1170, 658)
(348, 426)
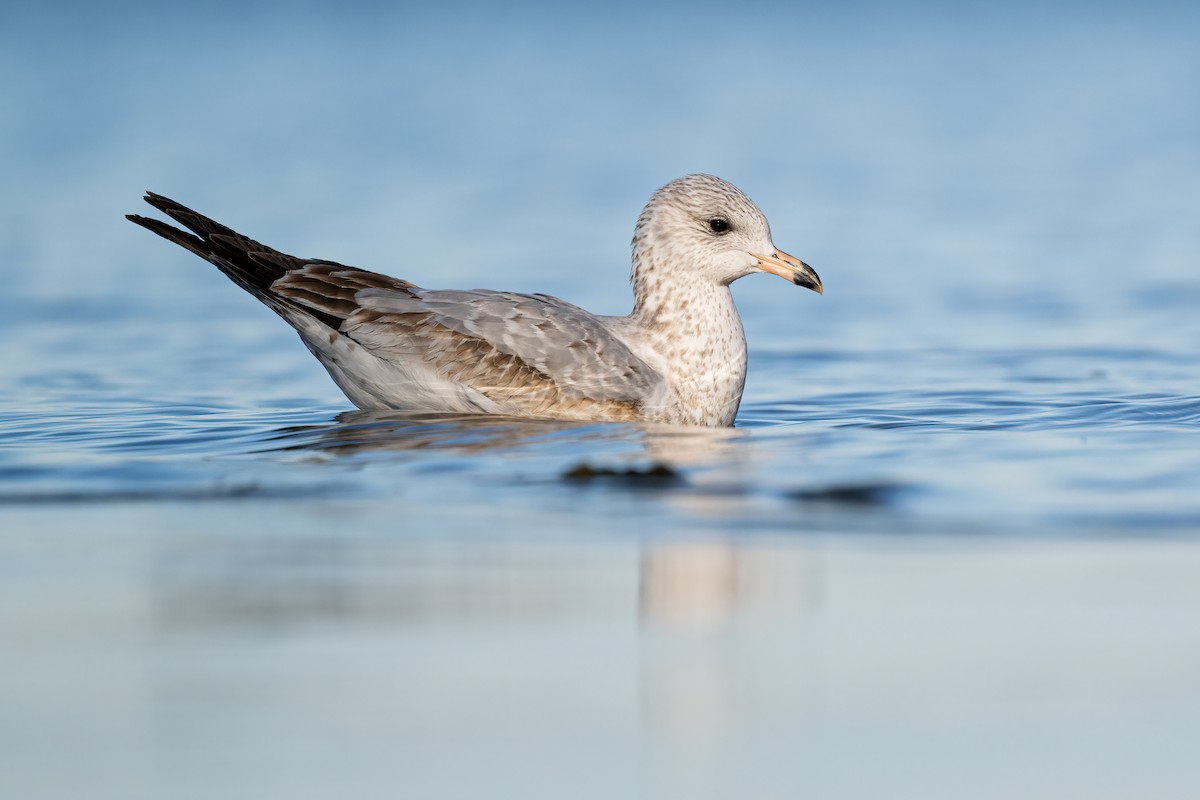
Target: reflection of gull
(679, 357)
(694, 582)
(703, 584)
(697, 600)
(377, 431)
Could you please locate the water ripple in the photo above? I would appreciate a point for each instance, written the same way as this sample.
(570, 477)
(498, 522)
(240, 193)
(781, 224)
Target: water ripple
(1045, 439)
(982, 411)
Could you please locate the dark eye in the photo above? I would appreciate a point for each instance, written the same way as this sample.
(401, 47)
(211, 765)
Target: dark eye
(718, 225)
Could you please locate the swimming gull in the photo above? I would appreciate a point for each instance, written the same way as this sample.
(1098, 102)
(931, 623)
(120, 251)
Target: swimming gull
(679, 357)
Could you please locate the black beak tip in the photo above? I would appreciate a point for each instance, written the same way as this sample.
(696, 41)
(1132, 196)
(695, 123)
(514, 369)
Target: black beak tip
(809, 281)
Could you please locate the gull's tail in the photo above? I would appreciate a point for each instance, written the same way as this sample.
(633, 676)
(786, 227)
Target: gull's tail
(250, 264)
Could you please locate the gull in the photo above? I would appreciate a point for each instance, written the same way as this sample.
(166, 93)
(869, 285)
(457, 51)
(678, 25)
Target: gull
(678, 358)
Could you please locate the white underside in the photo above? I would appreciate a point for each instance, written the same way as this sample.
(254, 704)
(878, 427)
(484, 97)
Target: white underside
(373, 383)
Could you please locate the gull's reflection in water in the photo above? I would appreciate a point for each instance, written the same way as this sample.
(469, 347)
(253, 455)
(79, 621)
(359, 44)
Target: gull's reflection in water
(675, 638)
(357, 432)
(354, 432)
(682, 643)
(722, 624)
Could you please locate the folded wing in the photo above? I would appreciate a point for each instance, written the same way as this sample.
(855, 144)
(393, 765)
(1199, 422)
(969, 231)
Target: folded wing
(390, 343)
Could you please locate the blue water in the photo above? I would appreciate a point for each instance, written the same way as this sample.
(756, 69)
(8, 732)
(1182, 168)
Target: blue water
(950, 548)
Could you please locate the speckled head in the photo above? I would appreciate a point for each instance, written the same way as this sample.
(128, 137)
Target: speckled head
(700, 227)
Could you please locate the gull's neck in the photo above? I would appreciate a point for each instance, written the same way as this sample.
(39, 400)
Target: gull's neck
(691, 328)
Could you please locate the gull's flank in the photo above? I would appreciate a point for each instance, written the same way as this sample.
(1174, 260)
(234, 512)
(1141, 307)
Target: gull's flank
(679, 357)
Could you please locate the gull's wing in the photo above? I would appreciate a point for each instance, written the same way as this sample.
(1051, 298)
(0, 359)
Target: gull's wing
(389, 343)
(529, 354)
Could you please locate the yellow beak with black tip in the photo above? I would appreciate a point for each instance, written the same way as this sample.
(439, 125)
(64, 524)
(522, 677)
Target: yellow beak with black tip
(791, 269)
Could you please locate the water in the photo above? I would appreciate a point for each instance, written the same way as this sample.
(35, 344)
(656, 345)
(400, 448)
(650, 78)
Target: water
(949, 549)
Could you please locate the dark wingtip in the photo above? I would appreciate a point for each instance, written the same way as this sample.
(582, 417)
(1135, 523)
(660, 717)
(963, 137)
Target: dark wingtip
(159, 201)
(145, 222)
(173, 234)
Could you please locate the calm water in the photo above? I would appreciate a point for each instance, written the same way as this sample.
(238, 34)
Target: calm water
(949, 550)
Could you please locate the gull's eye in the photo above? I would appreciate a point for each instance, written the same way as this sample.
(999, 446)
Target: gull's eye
(718, 225)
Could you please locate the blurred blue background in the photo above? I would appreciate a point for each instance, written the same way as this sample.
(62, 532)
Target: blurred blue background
(950, 549)
(1024, 160)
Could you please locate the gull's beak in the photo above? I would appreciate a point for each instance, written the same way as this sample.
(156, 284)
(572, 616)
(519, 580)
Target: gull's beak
(791, 269)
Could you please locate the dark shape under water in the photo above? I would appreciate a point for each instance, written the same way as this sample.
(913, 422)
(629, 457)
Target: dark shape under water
(655, 476)
(860, 494)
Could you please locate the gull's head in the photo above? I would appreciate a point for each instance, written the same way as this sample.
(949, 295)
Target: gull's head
(703, 228)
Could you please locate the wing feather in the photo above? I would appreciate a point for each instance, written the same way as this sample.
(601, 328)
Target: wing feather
(562, 341)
